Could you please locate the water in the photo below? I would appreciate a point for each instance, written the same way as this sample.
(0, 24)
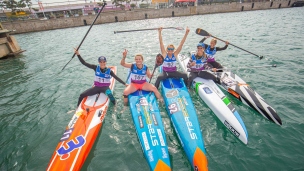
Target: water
(36, 95)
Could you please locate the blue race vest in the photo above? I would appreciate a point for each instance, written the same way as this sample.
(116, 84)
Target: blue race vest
(169, 65)
(102, 79)
(138, 76)
(210, 54)
(200, 63)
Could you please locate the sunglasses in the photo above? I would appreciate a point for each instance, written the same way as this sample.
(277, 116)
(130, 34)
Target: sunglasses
(170, 48)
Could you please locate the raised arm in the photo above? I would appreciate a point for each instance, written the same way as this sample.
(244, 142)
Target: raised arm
(179, 48)
(161, 43)
(123, 62)
(117, 78)
(84, 62)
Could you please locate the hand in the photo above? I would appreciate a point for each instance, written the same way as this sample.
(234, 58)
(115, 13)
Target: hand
(76, 51)
(193, 63)
(124, 53)
(126, 85)
(160, 29)
(227, 43)
(214, 69)
(187, 30)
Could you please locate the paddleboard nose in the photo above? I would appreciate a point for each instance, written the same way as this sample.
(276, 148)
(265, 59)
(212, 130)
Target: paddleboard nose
(200, 160)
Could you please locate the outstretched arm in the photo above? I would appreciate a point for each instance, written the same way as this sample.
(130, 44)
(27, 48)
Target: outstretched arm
(223, 48)
(179, 48)
(117, 78)
(123, 62)
(161, 43)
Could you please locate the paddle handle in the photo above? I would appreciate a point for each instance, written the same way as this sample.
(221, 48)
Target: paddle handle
(178, 28)
(104, 4)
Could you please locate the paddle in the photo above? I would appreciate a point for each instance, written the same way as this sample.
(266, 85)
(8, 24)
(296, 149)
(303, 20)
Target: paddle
(158, 62)
(248, 67)
(205, 33)
(104, 4)
(177, 28)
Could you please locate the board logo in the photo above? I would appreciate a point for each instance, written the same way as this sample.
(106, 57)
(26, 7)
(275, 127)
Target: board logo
(172, 93)
(64, 153)
(154, 119)
(141, 124)
(66, 135)
(207, 90)
(237, 134)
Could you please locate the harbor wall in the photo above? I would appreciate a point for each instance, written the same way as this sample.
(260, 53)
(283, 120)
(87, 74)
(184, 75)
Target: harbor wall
(141, 14)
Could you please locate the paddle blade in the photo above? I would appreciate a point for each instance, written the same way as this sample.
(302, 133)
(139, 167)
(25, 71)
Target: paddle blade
(159, 60)
(201, 32)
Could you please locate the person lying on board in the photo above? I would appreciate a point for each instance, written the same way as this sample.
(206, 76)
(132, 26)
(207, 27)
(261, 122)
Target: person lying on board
(198, 65)
(139, 74)
(102, 79)
(211, 51)
(170, 54)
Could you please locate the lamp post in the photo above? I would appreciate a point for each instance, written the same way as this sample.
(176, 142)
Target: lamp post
(41, 7)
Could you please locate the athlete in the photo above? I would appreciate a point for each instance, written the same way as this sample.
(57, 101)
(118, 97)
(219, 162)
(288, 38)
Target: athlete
(139, 74)
(211, 50)
(198, 65)
(102, 79)
(170, 54)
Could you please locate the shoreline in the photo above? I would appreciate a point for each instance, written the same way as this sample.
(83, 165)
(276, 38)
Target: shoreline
(28, 26)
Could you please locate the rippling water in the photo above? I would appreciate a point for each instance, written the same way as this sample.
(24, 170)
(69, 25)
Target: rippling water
(36, 95)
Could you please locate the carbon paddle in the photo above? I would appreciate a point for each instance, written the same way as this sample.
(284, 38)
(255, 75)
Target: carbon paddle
(104, 4)
(248, 67)
(202, 32)
(158, 62)
(177, 28)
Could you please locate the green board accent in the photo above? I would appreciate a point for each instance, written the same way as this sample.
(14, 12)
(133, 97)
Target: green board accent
(196, 87)
(226, 100)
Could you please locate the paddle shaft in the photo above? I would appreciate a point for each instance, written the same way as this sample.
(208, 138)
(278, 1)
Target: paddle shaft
(104, 4)
(238, 47)
(153, 72)
(178, 28)
(249, 67)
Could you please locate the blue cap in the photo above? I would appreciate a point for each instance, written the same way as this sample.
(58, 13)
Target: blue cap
(102, 58)
(201, 44)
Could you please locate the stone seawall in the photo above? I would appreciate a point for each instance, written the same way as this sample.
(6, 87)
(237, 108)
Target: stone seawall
(141, 14)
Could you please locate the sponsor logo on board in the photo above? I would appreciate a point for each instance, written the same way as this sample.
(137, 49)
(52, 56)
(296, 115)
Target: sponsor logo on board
(150, 156)
(207, 90)
(154, 119)
(164, 152)
(231, 129)
(161, 138)
(172, 93)
(141, 124)
(145, 139)
(66, 135)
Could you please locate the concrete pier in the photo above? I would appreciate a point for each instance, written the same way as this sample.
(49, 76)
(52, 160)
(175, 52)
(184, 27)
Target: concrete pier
(8, 44)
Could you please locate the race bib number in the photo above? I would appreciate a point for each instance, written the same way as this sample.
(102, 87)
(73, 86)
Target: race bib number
(138, 77)
(102, 80)
(169, 64)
